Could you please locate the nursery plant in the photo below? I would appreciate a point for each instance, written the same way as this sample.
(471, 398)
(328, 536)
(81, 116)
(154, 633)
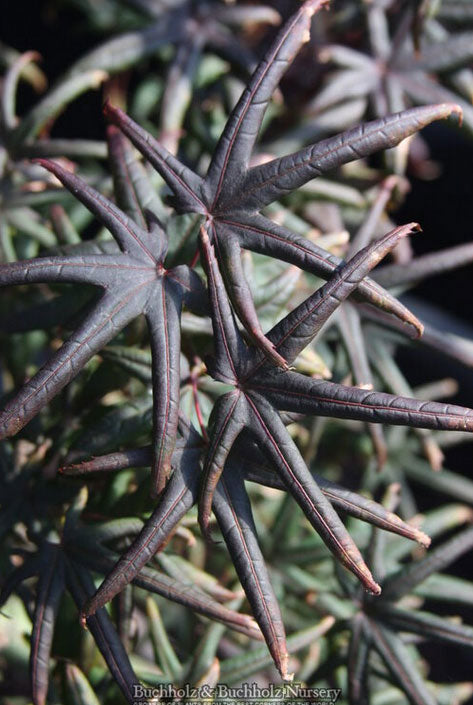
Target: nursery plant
(197, 338)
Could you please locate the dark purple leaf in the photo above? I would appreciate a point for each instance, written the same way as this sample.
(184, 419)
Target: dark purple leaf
(81, 586)
(232, 509)
(48, 595)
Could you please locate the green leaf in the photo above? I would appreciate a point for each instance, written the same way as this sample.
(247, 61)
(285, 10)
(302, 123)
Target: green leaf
(237, 668)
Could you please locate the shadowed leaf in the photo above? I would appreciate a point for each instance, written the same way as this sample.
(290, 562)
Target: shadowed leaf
(399, 662)
(409, 577)
(81, 585)
(49, 592)
(232, 509)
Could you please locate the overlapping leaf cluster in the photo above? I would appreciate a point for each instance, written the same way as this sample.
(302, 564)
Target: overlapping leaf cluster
(239, 355)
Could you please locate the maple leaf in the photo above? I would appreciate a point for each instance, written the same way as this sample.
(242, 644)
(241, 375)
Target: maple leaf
(393, 73)
(381, 625)
(133, 281)
(260, 391)
(231, 195)
(233, 511)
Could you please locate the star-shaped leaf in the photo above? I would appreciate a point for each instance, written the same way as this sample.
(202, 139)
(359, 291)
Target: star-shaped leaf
(134, 281)
(233, 512)
(394, 74)
(377, 625)
(193, 28)
(231, 195)
(261, 390)
(57, 572)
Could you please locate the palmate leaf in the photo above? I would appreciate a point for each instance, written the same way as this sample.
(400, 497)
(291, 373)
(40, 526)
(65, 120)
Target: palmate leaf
(192, 28)
(234, 516)
(381, 624)
(180, 494)
(241, 369)
(410, 75)
(260, 389)
(246, 417)
(257, 469)
(67, 564)
(231, 194)
(134, 281)
(57, 571)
